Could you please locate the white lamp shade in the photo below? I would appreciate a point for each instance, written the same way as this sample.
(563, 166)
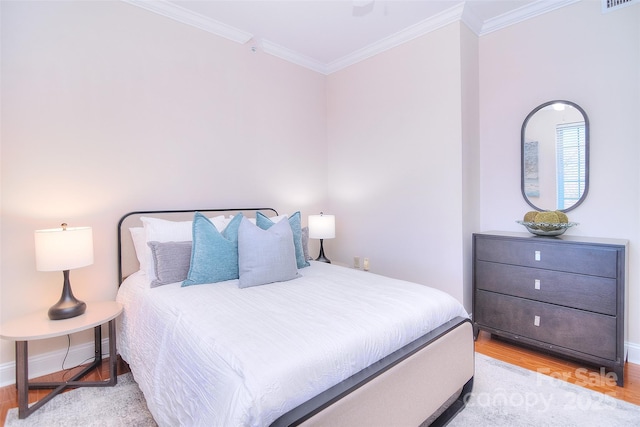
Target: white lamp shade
(59, 249)
(322, 226)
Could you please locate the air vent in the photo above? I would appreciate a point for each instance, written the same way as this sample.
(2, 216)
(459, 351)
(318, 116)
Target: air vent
(611, 5)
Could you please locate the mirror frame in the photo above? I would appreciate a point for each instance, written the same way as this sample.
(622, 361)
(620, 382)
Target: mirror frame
(586, 157)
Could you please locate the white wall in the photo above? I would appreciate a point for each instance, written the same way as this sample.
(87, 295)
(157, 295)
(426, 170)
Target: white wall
(108, 108)
(413, 149)
(593, 59)
(470, 84)
(395, 161)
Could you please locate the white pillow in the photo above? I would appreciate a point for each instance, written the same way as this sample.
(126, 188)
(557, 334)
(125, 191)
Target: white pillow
(273, 218)
(140, 245)
(220, 222)
(278, 218)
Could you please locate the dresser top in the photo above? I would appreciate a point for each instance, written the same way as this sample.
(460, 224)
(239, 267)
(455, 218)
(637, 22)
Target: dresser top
(563, 237)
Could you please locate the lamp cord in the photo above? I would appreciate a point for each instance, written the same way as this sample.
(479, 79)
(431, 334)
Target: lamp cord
(68, 370)
(67, 353)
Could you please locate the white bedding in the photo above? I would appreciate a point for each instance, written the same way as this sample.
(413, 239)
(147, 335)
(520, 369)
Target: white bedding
(218, 355)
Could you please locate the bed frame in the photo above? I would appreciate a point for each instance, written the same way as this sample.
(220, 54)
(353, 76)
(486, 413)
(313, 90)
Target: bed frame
(427, 382)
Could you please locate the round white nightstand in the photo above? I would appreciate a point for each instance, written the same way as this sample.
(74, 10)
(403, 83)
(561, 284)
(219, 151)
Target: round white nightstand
(37, 326)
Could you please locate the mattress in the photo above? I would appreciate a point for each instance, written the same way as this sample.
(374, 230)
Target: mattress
(218, 355)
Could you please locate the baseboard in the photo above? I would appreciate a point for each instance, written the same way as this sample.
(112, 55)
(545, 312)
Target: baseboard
(51, 362)
(633, 352)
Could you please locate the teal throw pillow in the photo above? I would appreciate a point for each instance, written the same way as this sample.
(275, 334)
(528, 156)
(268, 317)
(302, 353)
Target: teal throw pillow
(295, 222)
(214, 256)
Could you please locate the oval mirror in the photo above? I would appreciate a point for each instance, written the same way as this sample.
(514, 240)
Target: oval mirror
(555, 156)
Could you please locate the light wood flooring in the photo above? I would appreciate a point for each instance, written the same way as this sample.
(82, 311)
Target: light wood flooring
(572, 372)
(486, 344)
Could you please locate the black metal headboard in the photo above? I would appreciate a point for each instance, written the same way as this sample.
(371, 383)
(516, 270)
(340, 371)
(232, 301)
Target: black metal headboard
(127, 260)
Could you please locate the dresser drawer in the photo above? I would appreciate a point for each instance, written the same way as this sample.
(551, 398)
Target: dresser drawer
(593, 293)
(583, 259)
(589, 333)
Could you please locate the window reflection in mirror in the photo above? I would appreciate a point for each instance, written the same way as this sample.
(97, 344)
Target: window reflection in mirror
(555, 156)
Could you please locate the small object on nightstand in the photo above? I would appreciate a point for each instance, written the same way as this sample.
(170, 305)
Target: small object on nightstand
(63, 249)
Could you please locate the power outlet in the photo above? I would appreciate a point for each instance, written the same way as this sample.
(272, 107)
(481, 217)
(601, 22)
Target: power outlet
(366, 264)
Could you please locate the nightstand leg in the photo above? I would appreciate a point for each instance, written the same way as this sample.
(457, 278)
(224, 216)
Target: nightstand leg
(22, 378)
(113, 356)
(97, 344)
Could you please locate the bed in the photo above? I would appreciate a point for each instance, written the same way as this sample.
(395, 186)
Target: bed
(323, 345)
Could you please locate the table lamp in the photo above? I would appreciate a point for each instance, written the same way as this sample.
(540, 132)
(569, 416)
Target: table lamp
(63, 249)
(322, 227)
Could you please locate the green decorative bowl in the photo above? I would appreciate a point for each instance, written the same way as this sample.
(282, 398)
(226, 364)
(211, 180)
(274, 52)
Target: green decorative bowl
(547, 228)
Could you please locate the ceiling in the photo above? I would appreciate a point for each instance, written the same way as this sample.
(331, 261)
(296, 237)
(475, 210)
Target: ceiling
(328, 35)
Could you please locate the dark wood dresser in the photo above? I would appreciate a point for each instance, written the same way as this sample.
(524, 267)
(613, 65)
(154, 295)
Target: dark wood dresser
(563, 294)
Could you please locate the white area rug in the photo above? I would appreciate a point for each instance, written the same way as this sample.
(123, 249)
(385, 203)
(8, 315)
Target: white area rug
(507, 395)
(503, 395)
(120, 406)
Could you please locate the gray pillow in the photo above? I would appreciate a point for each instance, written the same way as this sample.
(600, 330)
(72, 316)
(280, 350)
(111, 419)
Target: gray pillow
(265, 256)
(305, 243)
(171, 261)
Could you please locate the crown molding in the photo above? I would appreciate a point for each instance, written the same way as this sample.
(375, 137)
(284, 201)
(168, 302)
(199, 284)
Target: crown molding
(523, 13)
(186, 16)
(445, 17)
(471, 19)
(292, 56)
(461, 12)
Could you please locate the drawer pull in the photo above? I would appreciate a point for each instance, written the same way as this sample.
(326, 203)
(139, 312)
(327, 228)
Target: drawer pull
(536, 284)
(536, 320)
(537, 255)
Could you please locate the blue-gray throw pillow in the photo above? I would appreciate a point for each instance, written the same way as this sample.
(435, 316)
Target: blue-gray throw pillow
(295, 222)
(171, 261)
(214, 256)
(265, 256)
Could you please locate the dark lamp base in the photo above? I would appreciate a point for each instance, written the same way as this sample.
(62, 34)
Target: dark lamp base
(323, 259)
(68, 306)
(67, 310)
(321, 256)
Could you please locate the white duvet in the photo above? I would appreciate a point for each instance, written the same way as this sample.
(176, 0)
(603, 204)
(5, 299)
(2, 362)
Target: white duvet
(217, 355)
